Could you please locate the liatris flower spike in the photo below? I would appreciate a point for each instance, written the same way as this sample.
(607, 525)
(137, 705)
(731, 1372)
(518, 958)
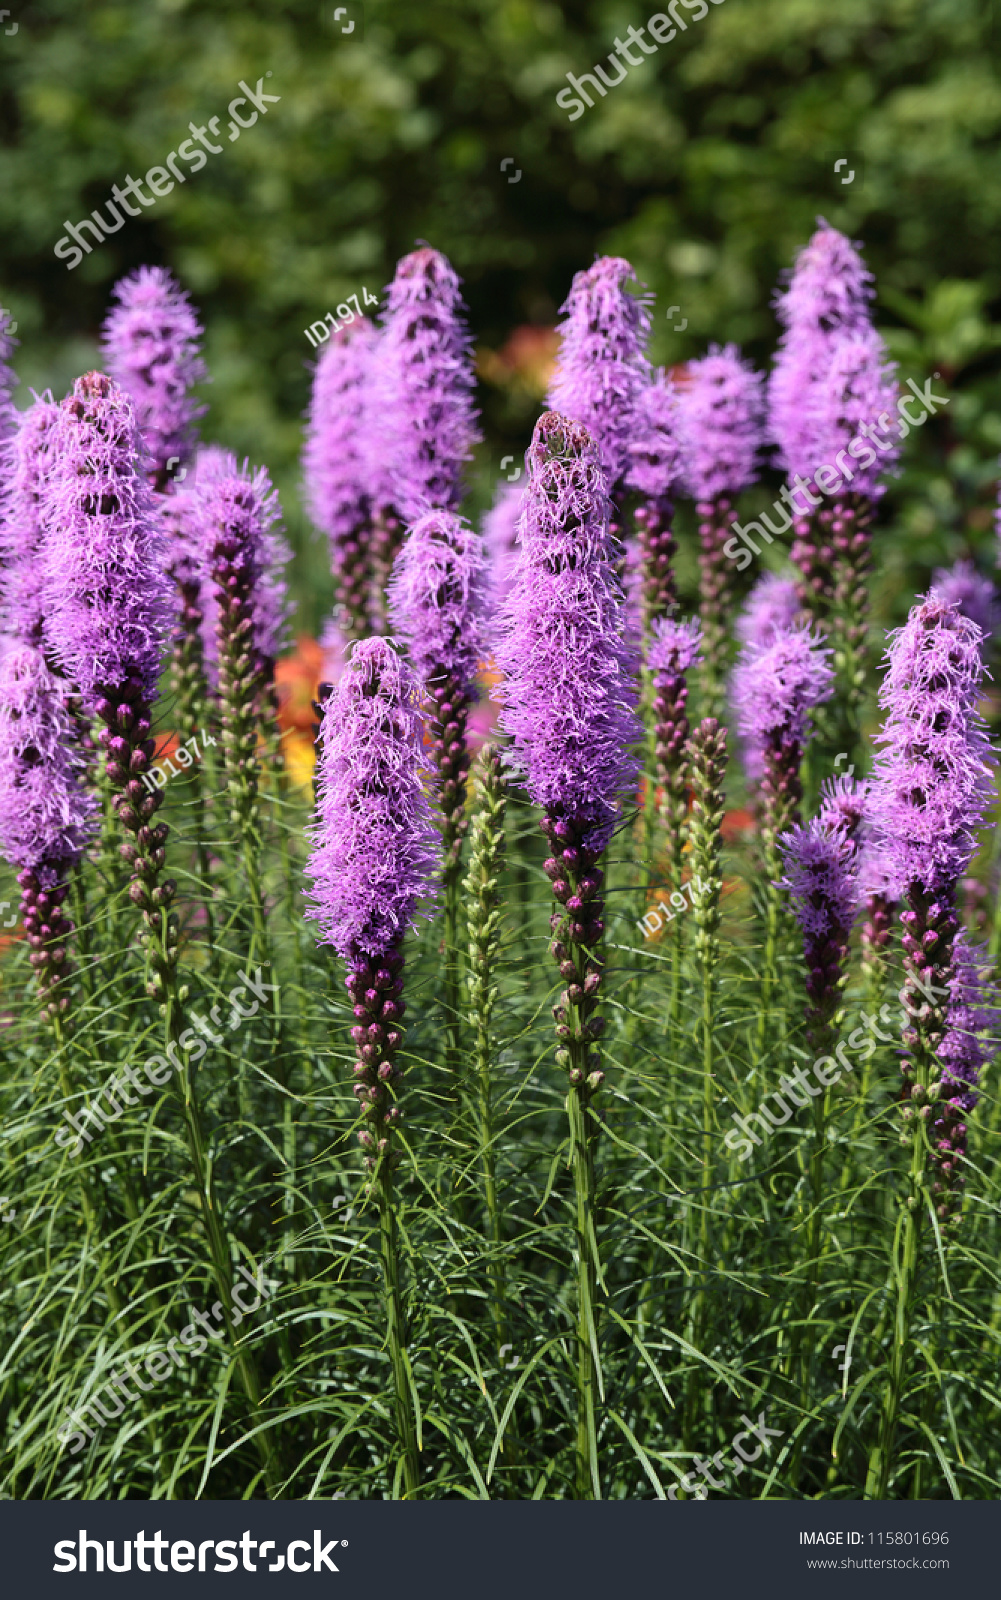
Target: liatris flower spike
(655, 465)
(969, 1045)
(821, 875)
(673, 651)
(335, 467)
(46, 818)
(720, 428)
(975, 595)
(773, 604)
(500, 542)
(21, 533)
(602, 367)
(775, 686)
(151, 347)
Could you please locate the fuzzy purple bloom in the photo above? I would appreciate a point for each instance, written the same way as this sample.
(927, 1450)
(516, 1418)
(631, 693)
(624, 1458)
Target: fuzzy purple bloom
(569, 689)
(234, 516)
(855, 389)
(843, 807)
(46, 818)
(436, 598)
(975, 595)
(602, 368)
(931, 779)
(654, 450)
(720, 420)
(425, 421)
(21, 532)
(821, 875)
(151, 347)
(335, 463)
(772, 606)
(776, 684)
(108, 607)
(674, 648)
(500, 539)
(830, 286)
(972, 1011)
(375, 847)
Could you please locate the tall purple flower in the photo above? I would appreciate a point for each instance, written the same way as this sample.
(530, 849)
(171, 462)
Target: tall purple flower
(335, 466)
(46, 817)
(436, 601)
(21, 531)
(374, 854)
(108, 612)
(975, 595)
(672, 652)
(966, 1049)
(568, 695)
(236, 511)
(151, 347)
(500, 525)
(821, 875)
(931, 786)
(720, 429)
(423, 420)
(602, 367)
(654, 469)
(775, 686)
(772, 605)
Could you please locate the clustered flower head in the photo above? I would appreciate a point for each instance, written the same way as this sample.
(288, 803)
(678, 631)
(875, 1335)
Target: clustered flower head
(720, 419)
(423, 412)
(857, 388)
(975, 595)
(235, 515)
(821, 875)
(673, 650)
(602, 369)
(569, 679)
(967, 1048)
(931, 779)
(46, 817)
(654, 451)
(776, 684)
(335, 461)
(830, 287)
(771, 606)
(374, 846)
(843, 807)
(436, 598)
(21, 531)
(151, 347)
(108, 607)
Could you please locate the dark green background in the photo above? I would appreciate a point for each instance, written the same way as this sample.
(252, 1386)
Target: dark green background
(707, 167)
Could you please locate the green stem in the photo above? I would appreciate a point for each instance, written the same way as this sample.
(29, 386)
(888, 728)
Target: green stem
(396, 1331)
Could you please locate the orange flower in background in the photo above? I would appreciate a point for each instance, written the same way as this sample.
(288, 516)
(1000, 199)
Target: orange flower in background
(523, 363)
(297, 680)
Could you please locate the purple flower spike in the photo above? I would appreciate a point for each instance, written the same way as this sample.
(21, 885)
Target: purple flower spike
(436, 605)
(425, 385)
(569, 687)
(673, 650)
(772, 606)
(844, 807)
(821, 875)
(655, 466)
(830, 288)
(931, 779)
(500, 525)
(963, 586)
(234, 518)
(602, 367)
(46, 818)
(774, 688)
(375, 847)
(108, 606)
(720, 420)
(21, 532)
(151, 347)
(720, 423)
(969, 1046)
(336, 467)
